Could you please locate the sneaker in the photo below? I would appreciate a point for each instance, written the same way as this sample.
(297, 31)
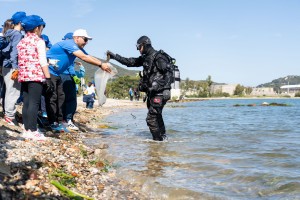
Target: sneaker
(63, 128)
(36, 135)
(41, 130)
(26, 135)
(59, 128)
(54, 127)
(10, 121)
(65, 123)
(44, 114)
(71, 126)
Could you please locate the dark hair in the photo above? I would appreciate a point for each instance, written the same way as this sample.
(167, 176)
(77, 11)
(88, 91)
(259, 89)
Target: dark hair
(8, 24)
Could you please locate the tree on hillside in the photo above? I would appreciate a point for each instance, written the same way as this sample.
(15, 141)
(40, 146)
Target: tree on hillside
(185, 85)
(209, 83)
(248, 90)
(119, 87)
(203, 89)
(239, 90)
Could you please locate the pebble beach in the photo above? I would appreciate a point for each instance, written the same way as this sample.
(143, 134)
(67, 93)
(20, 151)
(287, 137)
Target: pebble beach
(63, 167)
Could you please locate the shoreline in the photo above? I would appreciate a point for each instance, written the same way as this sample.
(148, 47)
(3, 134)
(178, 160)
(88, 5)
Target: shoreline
(28, 168)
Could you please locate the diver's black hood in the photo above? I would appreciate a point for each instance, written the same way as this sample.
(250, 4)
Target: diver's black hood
(148, 50)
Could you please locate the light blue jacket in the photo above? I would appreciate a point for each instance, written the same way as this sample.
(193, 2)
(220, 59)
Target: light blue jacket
(10, 52)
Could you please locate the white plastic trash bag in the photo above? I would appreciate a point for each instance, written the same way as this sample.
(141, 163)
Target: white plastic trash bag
(101, 78)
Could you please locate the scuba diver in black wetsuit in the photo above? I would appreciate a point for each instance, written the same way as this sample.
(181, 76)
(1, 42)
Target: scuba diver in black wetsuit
(155, 81)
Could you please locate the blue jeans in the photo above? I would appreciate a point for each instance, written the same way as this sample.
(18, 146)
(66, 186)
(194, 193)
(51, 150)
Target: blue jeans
(89, 100)
(70, 104)
(90, 104)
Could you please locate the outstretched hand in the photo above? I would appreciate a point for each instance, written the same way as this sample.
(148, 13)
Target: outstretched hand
(105, 67)
(110, 55)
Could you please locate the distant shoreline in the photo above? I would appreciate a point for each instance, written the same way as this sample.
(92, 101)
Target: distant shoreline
(230, 98)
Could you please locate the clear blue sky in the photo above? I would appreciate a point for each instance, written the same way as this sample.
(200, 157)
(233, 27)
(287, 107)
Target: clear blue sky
(235, 41)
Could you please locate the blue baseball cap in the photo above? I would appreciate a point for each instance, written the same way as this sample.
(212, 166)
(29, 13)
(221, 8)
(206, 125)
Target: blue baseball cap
(32, 21)
(18, 17)
(68, 36)
(47, 41)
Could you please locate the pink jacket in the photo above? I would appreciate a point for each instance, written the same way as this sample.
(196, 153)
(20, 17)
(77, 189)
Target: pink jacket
(30, 68)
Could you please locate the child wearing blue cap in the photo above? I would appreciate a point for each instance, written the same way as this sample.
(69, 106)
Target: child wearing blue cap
(33, 72)
(10, 68)
(47, 41)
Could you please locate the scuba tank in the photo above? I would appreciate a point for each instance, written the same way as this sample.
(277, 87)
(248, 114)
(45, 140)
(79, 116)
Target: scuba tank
(176, 76)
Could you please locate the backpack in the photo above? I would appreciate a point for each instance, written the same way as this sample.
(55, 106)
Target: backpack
(174, 68)
(4, 42)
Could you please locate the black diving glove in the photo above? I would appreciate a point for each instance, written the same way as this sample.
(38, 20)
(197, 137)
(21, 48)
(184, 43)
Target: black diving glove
(110, 55)
(49, 87)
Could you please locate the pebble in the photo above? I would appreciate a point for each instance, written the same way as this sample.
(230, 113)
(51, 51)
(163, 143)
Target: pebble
(32, 165)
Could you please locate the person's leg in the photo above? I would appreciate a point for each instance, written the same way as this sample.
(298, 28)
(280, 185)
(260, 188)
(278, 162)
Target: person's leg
(161, 121)
(13, 88)
(43, 106)
(70, 104)
(51, 101)
(1, 86)
(34, 97)
(60, 100)
(3, 96)
(26, 103)
(89, 104)
(154, 118)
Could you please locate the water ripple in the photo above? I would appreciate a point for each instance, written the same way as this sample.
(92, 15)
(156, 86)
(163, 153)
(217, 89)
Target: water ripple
(214, 150)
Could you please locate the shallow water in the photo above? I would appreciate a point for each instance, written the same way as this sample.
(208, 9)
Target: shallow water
(214, 150)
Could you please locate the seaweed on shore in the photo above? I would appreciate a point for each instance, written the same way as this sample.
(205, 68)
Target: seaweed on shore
(64, 178)
(69, 193)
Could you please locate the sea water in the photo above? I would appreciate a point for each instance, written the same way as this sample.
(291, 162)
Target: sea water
(215, 150)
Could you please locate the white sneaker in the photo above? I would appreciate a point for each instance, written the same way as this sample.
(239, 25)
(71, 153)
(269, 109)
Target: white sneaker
(72, 126)
(65, 123)
(26, 134)
(36, 135)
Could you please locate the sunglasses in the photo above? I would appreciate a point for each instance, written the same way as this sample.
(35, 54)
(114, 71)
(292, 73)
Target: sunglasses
(85, 39)
(139, 46)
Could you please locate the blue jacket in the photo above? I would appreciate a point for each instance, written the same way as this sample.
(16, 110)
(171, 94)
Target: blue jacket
(10, 52)
(81, 72)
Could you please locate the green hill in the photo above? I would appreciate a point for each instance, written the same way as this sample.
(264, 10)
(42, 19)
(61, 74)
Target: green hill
(91, 69)
(277, 83)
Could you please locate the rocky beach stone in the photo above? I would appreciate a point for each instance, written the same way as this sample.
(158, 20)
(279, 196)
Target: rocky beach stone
(28, 168)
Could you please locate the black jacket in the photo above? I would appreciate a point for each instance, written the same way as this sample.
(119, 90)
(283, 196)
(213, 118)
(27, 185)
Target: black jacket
(157, 73)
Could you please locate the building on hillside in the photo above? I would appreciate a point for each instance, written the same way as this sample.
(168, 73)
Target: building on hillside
(290, 89)
(263, 91)
(226, 88)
